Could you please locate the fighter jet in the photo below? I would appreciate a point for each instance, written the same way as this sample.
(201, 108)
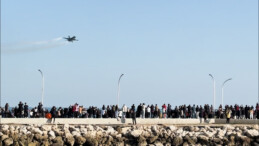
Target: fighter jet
(71, 39)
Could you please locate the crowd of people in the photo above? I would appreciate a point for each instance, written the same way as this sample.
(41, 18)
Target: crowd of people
(140, 111)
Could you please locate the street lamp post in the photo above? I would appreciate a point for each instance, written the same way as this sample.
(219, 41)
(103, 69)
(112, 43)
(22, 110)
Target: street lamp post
(214, 90)
(119, 89)
(222, 90)
(42, 92)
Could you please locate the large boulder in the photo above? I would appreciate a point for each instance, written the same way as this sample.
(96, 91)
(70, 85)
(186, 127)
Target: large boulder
(68, 134)
(252, 133)
(90, 128)
(146, 134)
(72, 128)
(99, 128)
(256, 127)
(52, 134)
(3, 137)
(119, 129)
(45, 143)
(118, 136)
(158, 143)
(70, 140)
(4, 127)
(58, 132)
(228, 127)
(142, 141)
(35, 143)
(65, 127)
(80, 140)
(99, 134)
(221, 133)
(23, 130)
(38, 137)
(203, 139)
(179, 131)
(83, 130)
(37, 131)
(124, 130)
(209, 134)
(91, 141)
(245, 140)
(121, 143)
(45, 128)
(110, 130)
(232, 140)
(76, 133)
(136, 133)
(196, 129)
(92, 133)
(189, 140)
(152, 139)
(11, 128)
(58, 140)
(154, 128)
(177, 141)
(217, 141)
(109, 140)
(8, 141)
(172, 128)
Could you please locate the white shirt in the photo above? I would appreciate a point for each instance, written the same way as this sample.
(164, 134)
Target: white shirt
(124, 108)
(143, 107)
(120, 113)
(148, 109)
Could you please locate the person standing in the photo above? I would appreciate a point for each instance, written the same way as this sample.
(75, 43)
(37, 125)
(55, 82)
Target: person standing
(139, 110)
(156, 111)
(237, 111)
(169, 111)
(116, 111)
(124, 111)
(148, 112)
(251, 111)
(133, 107)
(193, 111)
(246, 111)
(20, 110)
(6, 111)
(103, 111)
(77, 111)
(53, 112)
(176, 110)
(228, 115)
(152, 111)
(74, 110)
(164, 111)
(143, 110)
(113, 111)
(200, 113)
(40, 110)
(133, 116)
(197, 112)
(80, 111)
(26, 110)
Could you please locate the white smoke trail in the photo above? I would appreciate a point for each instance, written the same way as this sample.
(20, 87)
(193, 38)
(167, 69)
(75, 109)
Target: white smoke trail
(32, 46)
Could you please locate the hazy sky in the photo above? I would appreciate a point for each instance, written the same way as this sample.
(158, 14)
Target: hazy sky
(166, 49)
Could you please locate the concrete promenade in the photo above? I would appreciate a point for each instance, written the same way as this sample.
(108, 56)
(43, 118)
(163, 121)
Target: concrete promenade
(127, 121)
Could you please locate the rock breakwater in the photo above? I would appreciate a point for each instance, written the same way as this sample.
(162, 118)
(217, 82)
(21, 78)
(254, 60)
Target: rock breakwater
(159, 135)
